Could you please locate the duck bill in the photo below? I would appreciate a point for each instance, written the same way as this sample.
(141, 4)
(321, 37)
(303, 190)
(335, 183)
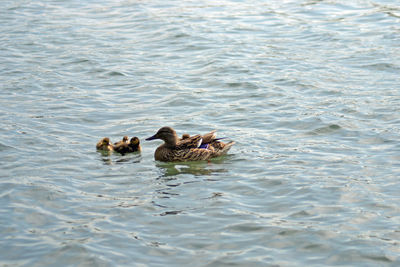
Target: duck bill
(152, 137)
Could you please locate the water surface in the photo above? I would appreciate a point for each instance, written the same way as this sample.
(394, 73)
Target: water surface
(309, 90)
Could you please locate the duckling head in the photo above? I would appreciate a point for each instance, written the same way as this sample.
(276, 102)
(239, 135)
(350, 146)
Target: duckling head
(185, 136)
(134, 141)
(167, 134)
(125, 139)
(106, 141)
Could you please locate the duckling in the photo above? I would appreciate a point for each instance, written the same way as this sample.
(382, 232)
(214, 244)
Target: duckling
(185, 136)
(123, 141)
(132, 146)
(104, 144)
(196, 147)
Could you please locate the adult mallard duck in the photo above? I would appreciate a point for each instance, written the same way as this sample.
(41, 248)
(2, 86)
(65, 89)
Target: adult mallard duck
(132, 146)
(196, 147)
(104, 144)
(123, 141)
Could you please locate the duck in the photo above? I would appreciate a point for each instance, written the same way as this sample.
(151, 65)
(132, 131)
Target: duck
(123, 141)
(104, 144)
(132, 146)
(192, 148)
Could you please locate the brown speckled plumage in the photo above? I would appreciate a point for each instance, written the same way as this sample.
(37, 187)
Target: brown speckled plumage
(104, 144)
(123, 141)
(132, 146)
(192, 148)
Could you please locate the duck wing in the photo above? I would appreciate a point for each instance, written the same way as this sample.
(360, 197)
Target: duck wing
(188, 143)
(192, 154)
(209, 137)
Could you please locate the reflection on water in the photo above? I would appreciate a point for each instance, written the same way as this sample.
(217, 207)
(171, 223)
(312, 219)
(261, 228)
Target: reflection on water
(110, 158)
(174, 196)
(197, 168)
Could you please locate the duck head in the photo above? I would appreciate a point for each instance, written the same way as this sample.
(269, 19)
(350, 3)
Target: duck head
(167, 134)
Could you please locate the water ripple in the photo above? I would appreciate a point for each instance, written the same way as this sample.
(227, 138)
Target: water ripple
(307, 90)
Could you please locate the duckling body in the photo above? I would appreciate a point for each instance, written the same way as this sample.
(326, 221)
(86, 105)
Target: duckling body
(104, 144)
(192, 148)
(123, 141)
(132, 146)
(185, 136)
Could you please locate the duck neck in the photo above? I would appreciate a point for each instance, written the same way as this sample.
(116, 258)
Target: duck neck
(171, 141)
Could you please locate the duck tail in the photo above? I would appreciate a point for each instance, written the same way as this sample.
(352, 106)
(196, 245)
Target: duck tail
(228, 146)
(221, 148)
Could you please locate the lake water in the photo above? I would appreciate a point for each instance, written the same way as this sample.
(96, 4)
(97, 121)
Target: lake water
(309, 90)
